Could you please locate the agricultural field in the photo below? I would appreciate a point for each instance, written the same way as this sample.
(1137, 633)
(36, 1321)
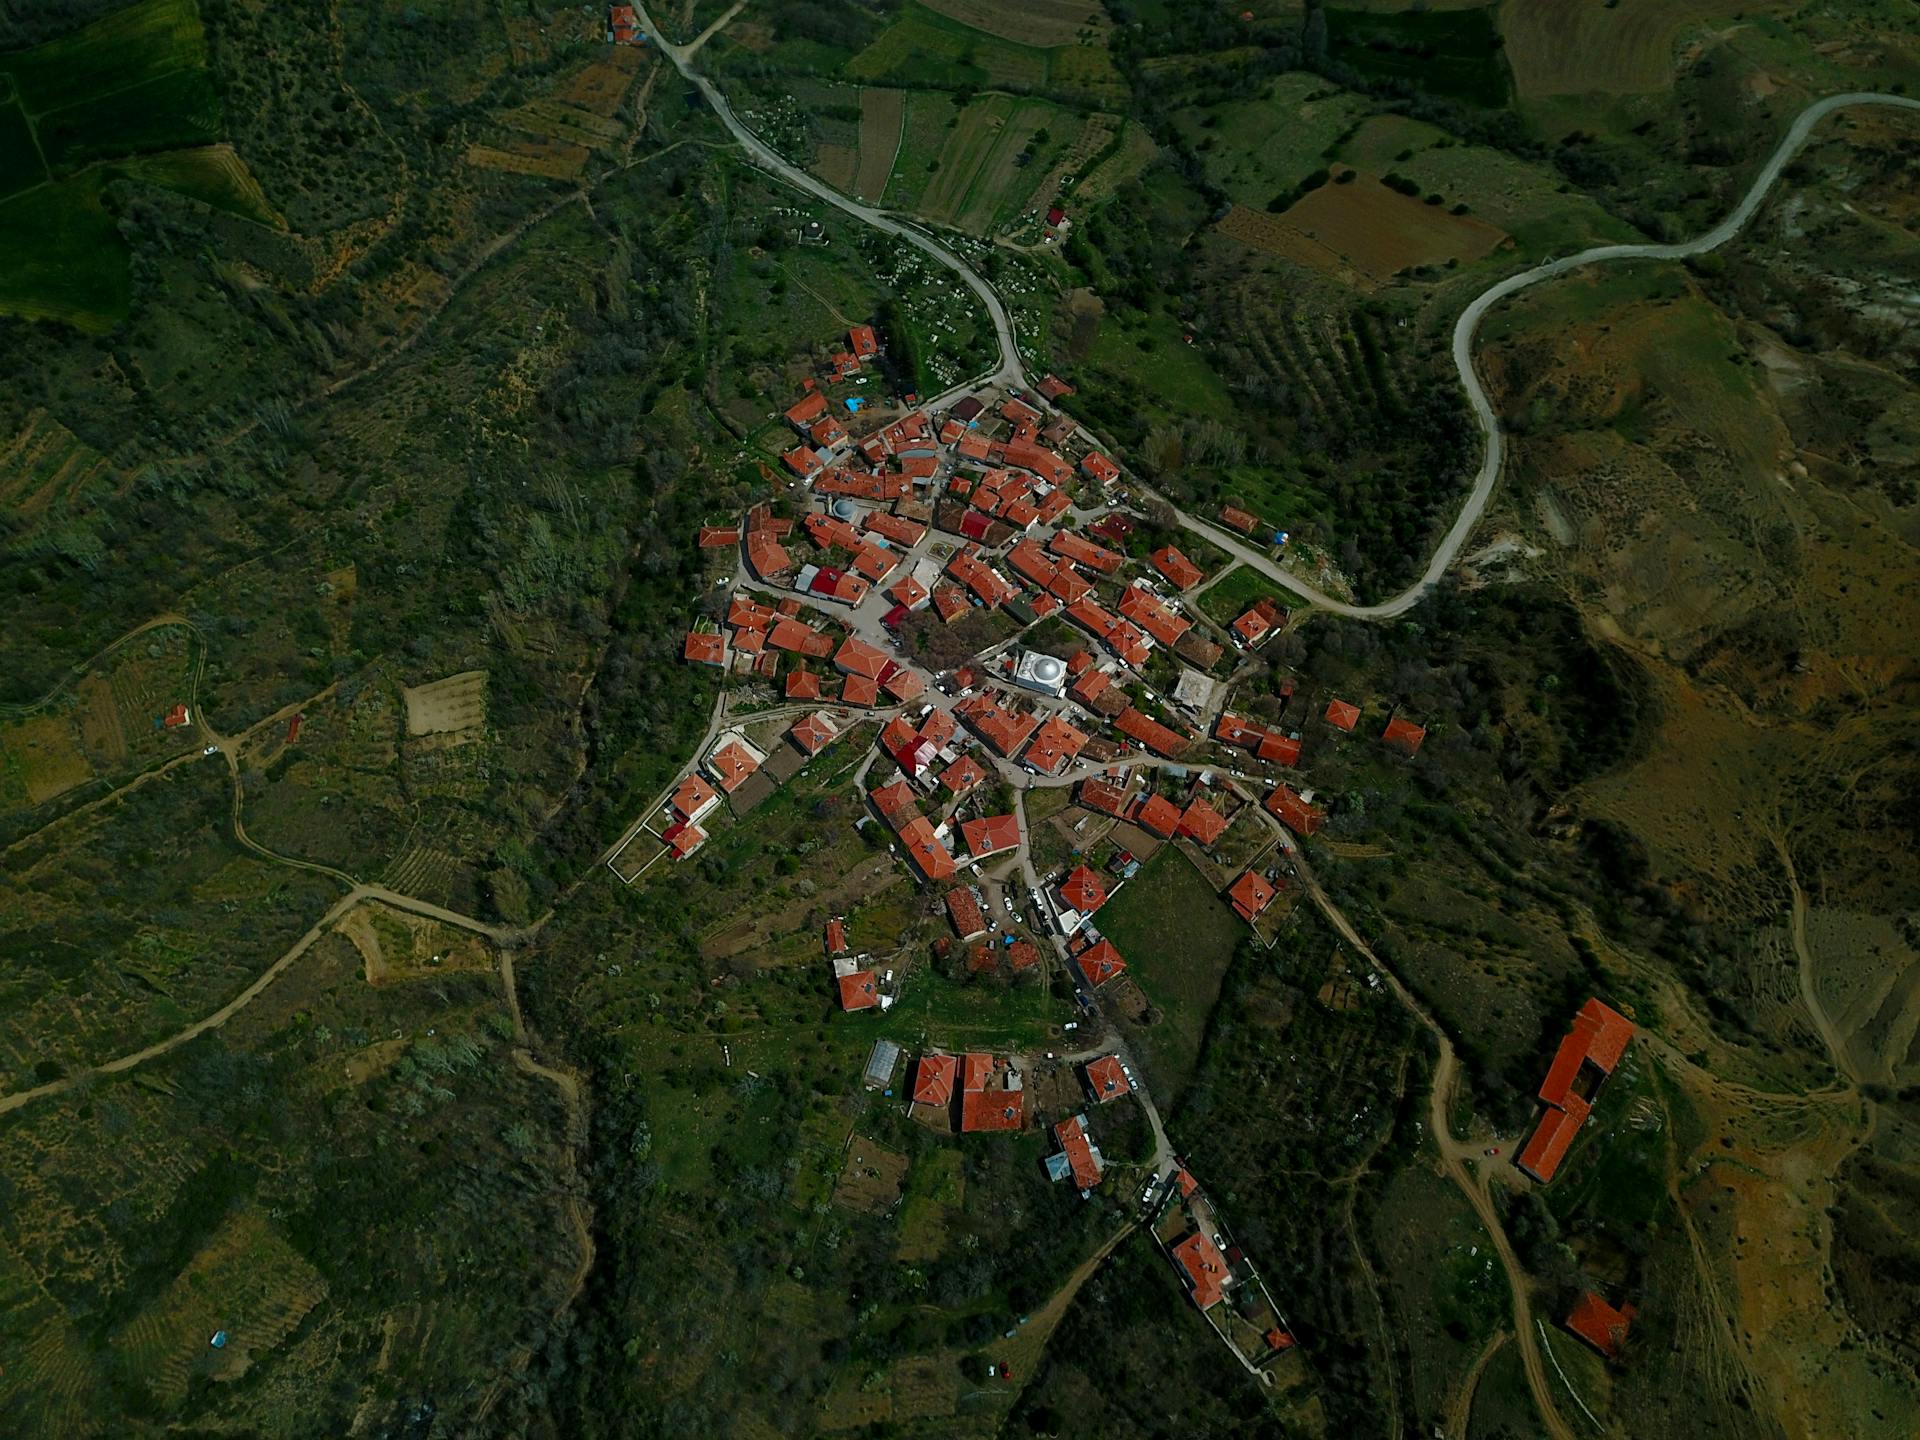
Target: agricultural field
(924, 47)
(1364, 233)
(1621, 49)
(1259, 149)
(1456, 53)
(987, 168)
(1181, 973)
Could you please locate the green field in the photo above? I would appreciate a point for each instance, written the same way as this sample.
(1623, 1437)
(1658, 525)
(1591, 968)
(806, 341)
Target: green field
(924, 48)
(162, 114)
(1233, 596)
(1177, 938)
(1261, 147)
(981, 177)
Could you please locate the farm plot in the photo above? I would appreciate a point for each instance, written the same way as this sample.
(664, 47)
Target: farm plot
(1262, 147)
(1626, 48)
(872, 1178)
(455, 705)
(1363, 233)
(984, 160)
(925, 47)
(883, 116)
(1456, 53)
(1030, 22)
(930, 114)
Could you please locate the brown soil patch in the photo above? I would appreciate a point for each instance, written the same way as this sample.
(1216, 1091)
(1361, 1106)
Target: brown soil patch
(602, 85)
(39, 756)
(455, 705)
(397, 946)
(1362, 232)
(871, 1179)
(837, 165)
(549, 159)
(1625, 48)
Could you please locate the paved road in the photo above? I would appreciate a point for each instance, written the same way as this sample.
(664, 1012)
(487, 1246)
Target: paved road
(1012, 372)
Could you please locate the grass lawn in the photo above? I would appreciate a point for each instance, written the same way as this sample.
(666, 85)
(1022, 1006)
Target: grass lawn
(1259, 148)
(1230, 598)
(1177, 938)
(988, 1014)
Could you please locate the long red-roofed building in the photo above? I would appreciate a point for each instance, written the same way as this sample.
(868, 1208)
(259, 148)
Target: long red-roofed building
(1600, 1325)
(1586, 1057)
(1294, 812)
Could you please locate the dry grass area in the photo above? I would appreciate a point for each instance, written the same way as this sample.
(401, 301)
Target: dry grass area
(838, 165)
(872, 1177)
(1363, 233)
(1044, 23)
(550, 159)
(457, 704)
(1582, 47)
(46, 465)
(396, 945)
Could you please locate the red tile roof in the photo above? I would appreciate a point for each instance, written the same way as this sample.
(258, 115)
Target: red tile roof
(836, 938)
(1179, 570)
(859, 991)
(933, 1079)
(863, 341)
(962, 775)
(812, 733)
(693, 797)
(790, 634)
(985, 1101)
(990, 835)
(1293, 812)
(1158, 815)
(803, 685)
(1600, 1325)
(1106, 1079)
(1099, 468)
(706, 647)
(718, 537)
(732, 764)
(1203, 1267)
(1341, 715)
(998, 723)
(895, 802)
(1281, 749)
(1054, 746)
(1083, 891)
(1105, 796)
(1551, 1139)
(896, 528)
(1202, 823)
(1100, 962)
(963, 909)
(1072, 1136)
(683, 837)
(856, 657)
(1250, 895)
(765, 557)
(1146, 610)
(1143, 728)
(803, 461)
(1251, 627)
(1239, 519)
(804, 411)
(743, 613)
(929, 856)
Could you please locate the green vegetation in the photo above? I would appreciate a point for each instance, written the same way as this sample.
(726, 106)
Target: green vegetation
(1453, 53)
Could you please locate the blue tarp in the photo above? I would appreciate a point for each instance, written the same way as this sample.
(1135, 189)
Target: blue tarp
(854, 402)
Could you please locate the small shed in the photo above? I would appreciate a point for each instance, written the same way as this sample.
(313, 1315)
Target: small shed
(881, 1064)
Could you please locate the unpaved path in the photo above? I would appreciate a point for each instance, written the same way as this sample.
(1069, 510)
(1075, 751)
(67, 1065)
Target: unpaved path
(1460, 1413)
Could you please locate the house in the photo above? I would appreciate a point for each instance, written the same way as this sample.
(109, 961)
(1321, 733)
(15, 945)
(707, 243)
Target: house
(683, 837)
(1239, 519)
(1004, 728)
(1203, 1268)
(176, 717)
(1292, 810)
(963, 909)
(992, 1094)
(1202, 823)
(1180, 572)
(803, 685)
(1145, 730)
(718, 537)
(765, 556)
(1404, 736)
(1157, 815)
(924, 848)
(859, 989)
(623, 26)
(1082, 551)
(693, 799)
(1106, 1079)
(806, 410)
(1251, 628)
(706, 647)
(1078, 1157)
(934, 1075)
(864, 343)
(1055, 744)
(910, 751)
(1052, 387)
(1104, 796)
(962, 776)
(1600, 1325)
(1146, 610)
(1249, 895)
(1056, 216)
(732, 764)
(1099, 963)
(990, 835)
(812, 733)
(856, 657)
(1082, 891)
(859, 691)
(1098, 468)
(836, 937)
(804, 461)
(1342, 716)
(1586, 1057)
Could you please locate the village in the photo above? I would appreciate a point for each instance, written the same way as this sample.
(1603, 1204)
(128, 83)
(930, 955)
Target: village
(893, 521)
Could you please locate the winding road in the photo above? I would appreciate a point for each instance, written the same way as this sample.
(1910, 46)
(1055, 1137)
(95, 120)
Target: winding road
(1012, 372)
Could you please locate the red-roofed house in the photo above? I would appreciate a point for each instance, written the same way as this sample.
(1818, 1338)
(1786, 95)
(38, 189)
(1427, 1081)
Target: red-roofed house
(856, 657)
(1251, 628)
(859, 690)
(1107, 1079)
(803, 685)
(1098, 468)
(1204, 1269)
(1552, 1138)
(962, 776)
(806, 410)
(804, 461)
(1239, 519)
(1054, 746)
(1202, 823)
(812, 733)
(1586, 1057)
(765, 556)
(924, 849)
(1079, 1157)
(933, 1080)
(836, 937)
(991, 835)
(863, 342)
(1250, 894)
(718, 537)
(1105, 796)
(1100, 962)
(1145, 609)
(1404, 735)
(992, 1096)
(1181, 572)
(963, 909)
(1295, 813)
(1082, 551)
(859, 990)
(1600, 1325)
(683, 837)
(694, 799)
(1342, 716)
(1157, 815)
(999, 724)
(731, 764)
(1138, 726)
(706, 647)
(1082, 891)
